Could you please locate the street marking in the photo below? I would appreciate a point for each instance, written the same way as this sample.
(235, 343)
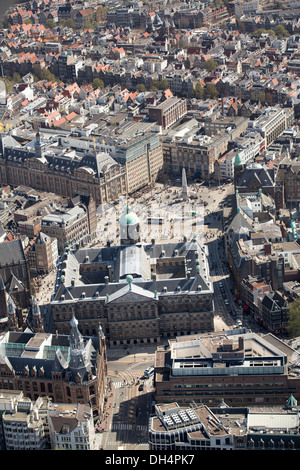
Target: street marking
(127, 427)
(118, 384)
(121, 426)
(142, 428)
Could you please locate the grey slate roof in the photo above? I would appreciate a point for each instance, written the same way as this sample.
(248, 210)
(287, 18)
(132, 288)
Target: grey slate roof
(265, 177)
(57, 363)
(11, 253)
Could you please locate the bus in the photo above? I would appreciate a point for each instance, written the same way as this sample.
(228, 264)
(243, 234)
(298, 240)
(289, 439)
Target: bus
(148, 372)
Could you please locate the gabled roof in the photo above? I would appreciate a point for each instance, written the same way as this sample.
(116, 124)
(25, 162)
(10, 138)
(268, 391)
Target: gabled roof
(131, 292)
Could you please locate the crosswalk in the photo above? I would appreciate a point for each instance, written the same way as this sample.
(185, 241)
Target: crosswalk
(118, 384)
(128, 427)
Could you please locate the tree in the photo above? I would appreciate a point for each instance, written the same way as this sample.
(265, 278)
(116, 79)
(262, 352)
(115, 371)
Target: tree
(71, 23)
(50, 23)
(16, 77)
(258, 32)
(141, 88)
(210, 65)
(268, 97)
(211, 91)
(183, 43)
(218, 3)
(98, 83)
(199, 90)
(47, 75)
(163, 84)
(159, 84)
(293, 326)
(281, 32)
(100, 14)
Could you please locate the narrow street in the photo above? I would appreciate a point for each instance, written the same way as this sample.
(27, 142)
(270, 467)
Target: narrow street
(128, 408)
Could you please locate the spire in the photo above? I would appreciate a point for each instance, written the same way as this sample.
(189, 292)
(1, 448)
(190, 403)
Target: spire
(36, 318)
(76, 341)
(101, 334)
(35, 307)
(11, 307)
(3, 299)
(78, 361)
(291, 402)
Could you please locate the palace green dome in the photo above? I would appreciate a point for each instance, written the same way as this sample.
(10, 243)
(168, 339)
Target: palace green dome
(129, 217)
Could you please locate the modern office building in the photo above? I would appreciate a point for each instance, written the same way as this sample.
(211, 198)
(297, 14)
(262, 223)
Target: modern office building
(199, 427)
(239, 366)
(187, 428)
(168, 112)
(272, 123)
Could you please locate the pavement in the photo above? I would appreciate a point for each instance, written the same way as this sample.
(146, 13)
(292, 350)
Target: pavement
(136, 355)
(104, 426)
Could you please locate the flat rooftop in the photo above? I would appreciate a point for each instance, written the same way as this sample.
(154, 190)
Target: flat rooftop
(241, 352)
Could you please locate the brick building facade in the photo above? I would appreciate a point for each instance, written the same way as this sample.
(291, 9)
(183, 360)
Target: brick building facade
(66, 369)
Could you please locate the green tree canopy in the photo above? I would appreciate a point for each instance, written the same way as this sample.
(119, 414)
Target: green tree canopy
(281, 32)
(68, 23)
(47, 75)
(50, 23)
(258, 32)
(100, 13)
(98, 83)
(141, 87)
(211, 91)
(198, 90)
(16, 77)
(160, 84)
(294, 318)
(210, 65)
(88, 25)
